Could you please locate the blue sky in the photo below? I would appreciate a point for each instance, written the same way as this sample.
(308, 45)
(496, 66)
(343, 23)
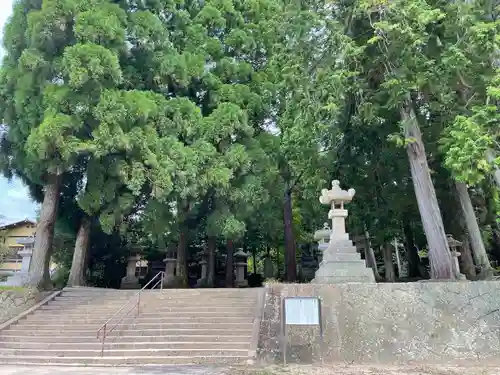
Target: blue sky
(15, 203)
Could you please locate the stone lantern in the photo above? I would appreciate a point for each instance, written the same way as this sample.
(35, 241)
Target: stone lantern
(21, 277)
(241, 264)
(454, 244)
(341, 263)
(322, 236)
(204, 268)
(170, 263)
(131, 281)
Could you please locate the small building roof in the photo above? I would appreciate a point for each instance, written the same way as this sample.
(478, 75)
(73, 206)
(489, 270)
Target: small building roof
(18, 223)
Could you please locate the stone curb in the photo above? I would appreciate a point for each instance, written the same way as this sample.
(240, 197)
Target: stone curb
(259, 313)
(29, 311)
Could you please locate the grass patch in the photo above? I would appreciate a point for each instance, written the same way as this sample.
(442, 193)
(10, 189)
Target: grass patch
(13, 288)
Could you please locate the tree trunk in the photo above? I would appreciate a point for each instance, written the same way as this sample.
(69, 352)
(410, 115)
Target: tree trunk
(413, 258)
(211, 244)
(79, 264)
(229, 264)
(278, 265)
(39, 275)
(398, 258)
(181, 272)
(254, 256)
(439, 252)
(476, 241)
(490, 157)
(370, 257)
(390, 274)
(290, 251)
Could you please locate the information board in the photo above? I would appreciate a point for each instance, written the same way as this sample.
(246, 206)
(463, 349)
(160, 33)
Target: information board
(302, 311)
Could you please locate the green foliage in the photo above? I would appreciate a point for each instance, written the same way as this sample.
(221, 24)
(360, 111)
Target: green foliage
(60, 277)
(466, 145)
(199, 117)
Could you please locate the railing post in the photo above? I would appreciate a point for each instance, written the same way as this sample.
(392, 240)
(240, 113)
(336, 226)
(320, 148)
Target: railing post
(138, 304)
(103, 340)
(161, 282)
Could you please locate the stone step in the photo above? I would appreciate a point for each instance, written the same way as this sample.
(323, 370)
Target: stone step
(172, 290)
(158, 319)
(209, 337)
(344, 249)
(213, 305)
(174, 326)
(132, 331)
(148, 297)
(139, 320)
(351, 264)
(144, 311)
(125, 352)
(343, 279)
(103, 297)
(117, 345)
(84, 307)
(124, 361)
(88, 303)
(333, 269)
(341, 257)
(182, 293)
(149, 313)
(221, 325)
(154, 304)
(342, 244)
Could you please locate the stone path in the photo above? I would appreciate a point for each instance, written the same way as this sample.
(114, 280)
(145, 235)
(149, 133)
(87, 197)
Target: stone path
(294, 370)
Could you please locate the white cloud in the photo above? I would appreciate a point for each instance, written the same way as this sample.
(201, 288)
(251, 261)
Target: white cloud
(15, 202)
(16, 194)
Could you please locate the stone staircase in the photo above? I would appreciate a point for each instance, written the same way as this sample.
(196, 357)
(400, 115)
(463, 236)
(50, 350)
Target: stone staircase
(174, 326)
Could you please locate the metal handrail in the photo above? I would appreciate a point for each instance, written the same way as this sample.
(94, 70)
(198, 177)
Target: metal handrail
(106, 330)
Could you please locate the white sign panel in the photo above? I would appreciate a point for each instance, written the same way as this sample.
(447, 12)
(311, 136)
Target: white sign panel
(302, 311)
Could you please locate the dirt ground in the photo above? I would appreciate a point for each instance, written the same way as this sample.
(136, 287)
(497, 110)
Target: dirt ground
(372, 370)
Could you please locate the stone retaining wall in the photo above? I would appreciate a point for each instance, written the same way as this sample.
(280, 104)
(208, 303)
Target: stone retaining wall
(15, 301)
(389, 323)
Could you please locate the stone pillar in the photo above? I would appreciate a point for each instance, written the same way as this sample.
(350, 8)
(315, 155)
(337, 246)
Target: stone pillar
(170, 264)
(25, 263)
(21, 277)
(241, 263)
(204, 269)
(130, 281)
(204, 273)
(456, 266)
(131, 267)
(268, 268)
(454, 244)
